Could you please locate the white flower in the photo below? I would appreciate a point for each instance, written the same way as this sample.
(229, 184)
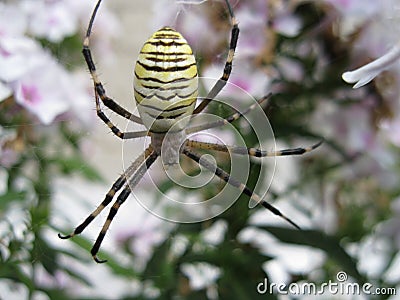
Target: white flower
(201, 275)
(365, 74)
(214, 235)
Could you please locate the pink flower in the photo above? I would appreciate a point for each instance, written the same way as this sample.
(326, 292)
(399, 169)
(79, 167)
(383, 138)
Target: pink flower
(18, 56)
(50, 19)
(12, 21)
(252, 23)
(43, 92)
(36, 79)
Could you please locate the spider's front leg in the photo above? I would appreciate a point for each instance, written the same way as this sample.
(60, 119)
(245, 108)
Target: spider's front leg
(98, 86)
(219, 85)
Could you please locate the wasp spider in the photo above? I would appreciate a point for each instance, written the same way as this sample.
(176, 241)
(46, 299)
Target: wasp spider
(166, 91)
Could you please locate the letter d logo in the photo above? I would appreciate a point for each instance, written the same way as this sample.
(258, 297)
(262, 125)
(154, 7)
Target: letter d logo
(262, 287)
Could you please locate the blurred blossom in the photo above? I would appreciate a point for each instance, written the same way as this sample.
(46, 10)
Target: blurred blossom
(353, 129)
(51, 20)
(290, 69)
(352, 126)
(37, 92)
(287, 259)
(201, 275)
(252, 17)
(12, 21)
(390, 227)
(9, 153)
(391, 130)
(215, 233)
(354, 13)
(30, 73)
(189, 20)
(373, 255)
(144, 234)
(18, 56)
(380, 22)
(285, 22)
(244, 75)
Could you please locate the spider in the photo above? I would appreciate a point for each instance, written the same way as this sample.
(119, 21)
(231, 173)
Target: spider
(166, 91)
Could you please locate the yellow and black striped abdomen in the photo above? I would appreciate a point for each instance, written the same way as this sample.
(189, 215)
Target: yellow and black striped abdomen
(166, 81)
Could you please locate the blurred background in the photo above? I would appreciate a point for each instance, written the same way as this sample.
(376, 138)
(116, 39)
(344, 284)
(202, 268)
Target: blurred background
(58, 160)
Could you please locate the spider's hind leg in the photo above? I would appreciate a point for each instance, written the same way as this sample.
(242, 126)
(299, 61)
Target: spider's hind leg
(134, 173)
(144, 165)
(251, 151)
(232, 181)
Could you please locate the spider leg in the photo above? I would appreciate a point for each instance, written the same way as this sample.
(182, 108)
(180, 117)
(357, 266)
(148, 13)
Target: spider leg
(218, 86)
(227, 120)
(232, 181)
(115, 130)
(98, 86)
(250, 151)
(120, 200)
(117, 185)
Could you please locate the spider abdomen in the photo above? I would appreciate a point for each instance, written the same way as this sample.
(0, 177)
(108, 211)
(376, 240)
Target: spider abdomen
(166, 82)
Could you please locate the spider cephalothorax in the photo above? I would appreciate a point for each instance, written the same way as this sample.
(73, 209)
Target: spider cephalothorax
(166, 91)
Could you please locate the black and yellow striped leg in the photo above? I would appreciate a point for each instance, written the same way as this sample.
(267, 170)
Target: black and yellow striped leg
(120, 200)
(113, 211)
(115, 130)
(219, 85)
(98, 86)
(229, 119)
(117, 185)
(232, 181)
(250, 151)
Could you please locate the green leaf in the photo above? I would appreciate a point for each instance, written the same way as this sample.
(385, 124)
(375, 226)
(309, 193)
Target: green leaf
(73, 164)
(44, 254)
(11, 196)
